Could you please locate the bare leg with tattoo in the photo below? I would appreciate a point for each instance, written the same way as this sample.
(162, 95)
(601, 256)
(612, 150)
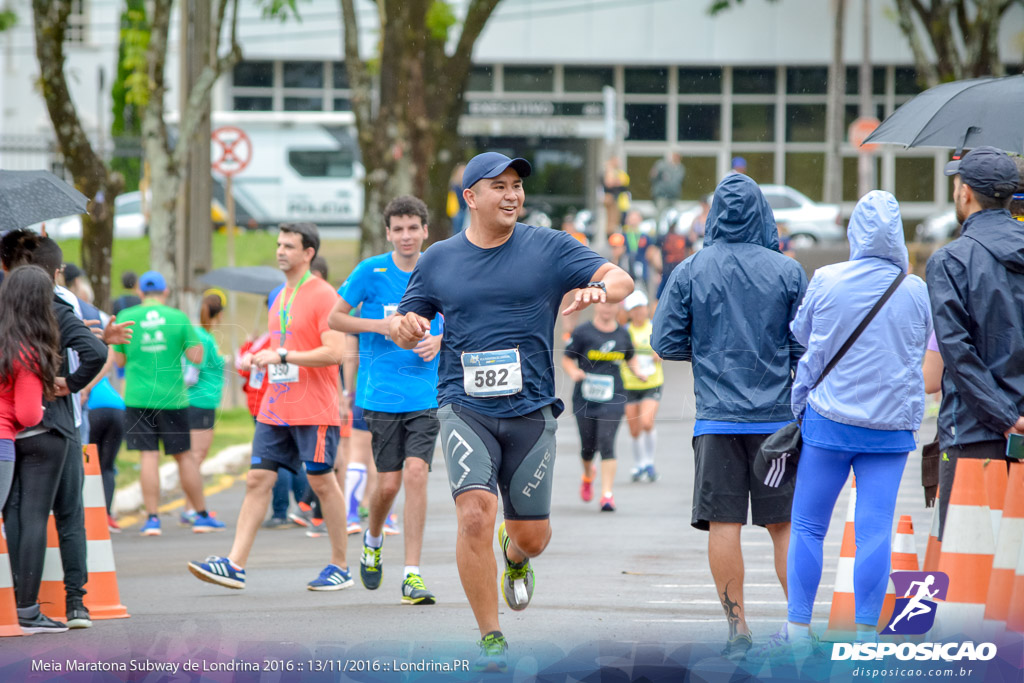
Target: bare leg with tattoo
(725, 556)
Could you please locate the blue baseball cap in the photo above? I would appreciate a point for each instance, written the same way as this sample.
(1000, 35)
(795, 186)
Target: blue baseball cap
(987, 170)
(152, 281)
(739, 162)
(491, 165)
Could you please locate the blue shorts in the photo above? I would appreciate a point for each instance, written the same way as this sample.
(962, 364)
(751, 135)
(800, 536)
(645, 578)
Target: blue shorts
(314, 446)
(358, 421)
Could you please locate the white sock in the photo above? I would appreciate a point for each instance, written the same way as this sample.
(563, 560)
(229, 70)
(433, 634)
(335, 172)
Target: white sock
(638, 451)
(867, 635)
(355, 485)
(797, 631)
(374, 541)
(411, 569)
(650, 441)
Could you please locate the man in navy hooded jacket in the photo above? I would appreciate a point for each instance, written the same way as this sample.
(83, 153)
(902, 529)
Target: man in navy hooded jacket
(976, 285)
(727, 310)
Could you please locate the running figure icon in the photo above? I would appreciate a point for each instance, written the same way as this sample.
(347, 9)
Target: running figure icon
(915, 606)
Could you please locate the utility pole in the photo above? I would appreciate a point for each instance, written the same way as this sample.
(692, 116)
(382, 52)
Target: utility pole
(195, 228)
(865, 160)
(836, 109)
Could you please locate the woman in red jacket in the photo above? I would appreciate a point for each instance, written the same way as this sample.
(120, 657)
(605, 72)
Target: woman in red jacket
(29, 359)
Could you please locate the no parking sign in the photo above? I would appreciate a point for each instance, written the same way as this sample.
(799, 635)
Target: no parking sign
(235, 150)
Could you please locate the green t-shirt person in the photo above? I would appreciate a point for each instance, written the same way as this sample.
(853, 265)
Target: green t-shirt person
(153, 359)
(206, 392)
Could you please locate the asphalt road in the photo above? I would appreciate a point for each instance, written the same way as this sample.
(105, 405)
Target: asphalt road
(609, 585)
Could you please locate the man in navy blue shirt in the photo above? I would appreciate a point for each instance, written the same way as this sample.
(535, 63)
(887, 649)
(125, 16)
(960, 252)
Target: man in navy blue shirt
(499, 284)
(400, 392)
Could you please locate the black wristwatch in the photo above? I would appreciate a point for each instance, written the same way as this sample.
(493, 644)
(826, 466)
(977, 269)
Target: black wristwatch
(599, 284)
(283, 353)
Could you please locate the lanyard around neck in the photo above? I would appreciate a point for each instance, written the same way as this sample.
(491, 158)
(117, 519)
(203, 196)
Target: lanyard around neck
(285, 311)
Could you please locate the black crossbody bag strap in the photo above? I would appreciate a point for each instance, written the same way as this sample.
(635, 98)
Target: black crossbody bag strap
(860, 328)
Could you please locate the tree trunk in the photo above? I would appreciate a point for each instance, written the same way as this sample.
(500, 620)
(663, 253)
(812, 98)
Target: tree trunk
(90, 174)
(408, 138)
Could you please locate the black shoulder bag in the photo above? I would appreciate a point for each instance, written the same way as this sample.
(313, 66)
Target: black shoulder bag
(776, 460)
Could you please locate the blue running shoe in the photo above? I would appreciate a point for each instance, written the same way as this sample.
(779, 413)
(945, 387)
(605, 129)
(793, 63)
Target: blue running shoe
(207, 524)
(332, 578)
(652, 474)
(151, 527)
(218, 570)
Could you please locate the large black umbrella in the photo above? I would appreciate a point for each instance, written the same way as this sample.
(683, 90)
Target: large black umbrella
(961, 114)
(28, 197)
(252, 279)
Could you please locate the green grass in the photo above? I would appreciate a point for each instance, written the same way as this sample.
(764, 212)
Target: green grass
(234, 426)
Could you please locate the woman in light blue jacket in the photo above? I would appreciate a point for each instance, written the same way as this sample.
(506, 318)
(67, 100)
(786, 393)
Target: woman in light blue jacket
(863, 415)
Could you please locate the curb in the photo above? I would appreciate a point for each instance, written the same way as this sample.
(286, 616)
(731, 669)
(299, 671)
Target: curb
(228, 461)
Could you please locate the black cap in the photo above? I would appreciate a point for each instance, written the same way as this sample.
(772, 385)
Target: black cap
(71, 273)
(987, 170)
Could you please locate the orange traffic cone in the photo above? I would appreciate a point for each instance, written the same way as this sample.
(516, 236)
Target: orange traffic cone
(995, 487)
(1008, 548)
(934, 547)
(842, 625)
(102, 597)
(8, 605)
(1015, 614)
(904, 559)
(967, 549)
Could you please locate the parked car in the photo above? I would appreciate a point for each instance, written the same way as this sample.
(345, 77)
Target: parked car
(129, 221)
(941, 227)
(808, 222)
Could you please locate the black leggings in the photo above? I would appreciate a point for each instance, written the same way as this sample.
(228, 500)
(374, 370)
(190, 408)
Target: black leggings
(598, 434)
(106, 430)
(39, 462)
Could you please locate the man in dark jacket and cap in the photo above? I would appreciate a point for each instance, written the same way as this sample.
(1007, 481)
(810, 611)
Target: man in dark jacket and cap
(727, 310)
(976, 286)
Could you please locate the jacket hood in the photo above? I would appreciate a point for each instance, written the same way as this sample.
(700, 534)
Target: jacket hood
(876, 230)
(1003, 236)
(740, 213)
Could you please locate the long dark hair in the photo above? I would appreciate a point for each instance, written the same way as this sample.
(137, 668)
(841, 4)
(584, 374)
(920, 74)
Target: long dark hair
(28, 327)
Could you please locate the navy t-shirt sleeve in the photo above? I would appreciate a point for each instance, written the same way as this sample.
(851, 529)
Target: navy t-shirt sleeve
(418, 298)
(576, 262)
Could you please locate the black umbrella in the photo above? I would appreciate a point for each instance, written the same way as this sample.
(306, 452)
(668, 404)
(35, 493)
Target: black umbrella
(252, 279)
(28, 197)
(958, 115)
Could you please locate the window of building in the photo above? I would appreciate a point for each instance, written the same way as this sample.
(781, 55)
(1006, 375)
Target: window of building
(587, 79)
(693, 81)
(906, 81)
(248, 103)
(805, 172)
(529, 79)
(647, 121)
(77, 27)
(342, 104)
(915, 179)
(850, 181)
(646, 81)
(700, 122)
(751, 81)
(303, 104)
(701, 176)
(254, 74)
(333, 163)
(639, 169)
(805, 122)
(807, 80)
(303, 74)
(481, 79)
(853, 80)
(760, 165)
(753, 122)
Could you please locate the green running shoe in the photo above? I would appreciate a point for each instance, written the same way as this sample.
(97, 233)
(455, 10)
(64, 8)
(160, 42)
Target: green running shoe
(414, 592)
(370, 565)
(517, 581)
(493, 654)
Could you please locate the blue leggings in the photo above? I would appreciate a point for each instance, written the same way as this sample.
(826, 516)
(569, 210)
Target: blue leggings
(819, 480)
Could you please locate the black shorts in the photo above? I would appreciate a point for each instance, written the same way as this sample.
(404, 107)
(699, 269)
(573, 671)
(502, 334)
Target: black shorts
(399, 436)
(637, 395)
(201, 418)
(724, 480)
(515, 455)
(314, 446)
(980, 450)
(147, 427)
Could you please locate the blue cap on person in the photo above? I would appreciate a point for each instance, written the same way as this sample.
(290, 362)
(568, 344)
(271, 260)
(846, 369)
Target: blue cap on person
(491, 165)
(987, 170)
(739, 162)
(152, 281)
